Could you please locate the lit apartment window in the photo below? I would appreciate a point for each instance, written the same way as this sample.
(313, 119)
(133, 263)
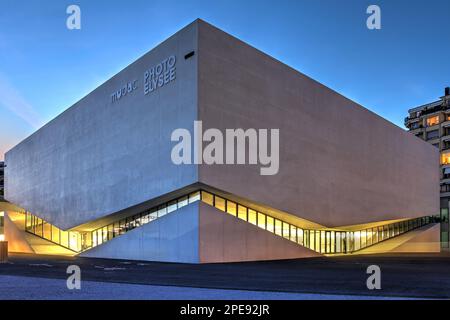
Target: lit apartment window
(445, 158)
(432, 121)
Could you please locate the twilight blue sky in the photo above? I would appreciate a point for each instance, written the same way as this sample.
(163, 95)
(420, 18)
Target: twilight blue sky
(45, 68)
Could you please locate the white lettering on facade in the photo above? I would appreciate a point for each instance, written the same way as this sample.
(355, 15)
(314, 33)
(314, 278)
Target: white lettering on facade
(160, 74)
(124, 90)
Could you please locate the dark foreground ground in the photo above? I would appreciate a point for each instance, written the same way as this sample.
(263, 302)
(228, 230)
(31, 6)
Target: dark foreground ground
(424, 276)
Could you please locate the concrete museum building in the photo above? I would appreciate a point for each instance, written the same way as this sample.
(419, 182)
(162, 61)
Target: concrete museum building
(99, 180)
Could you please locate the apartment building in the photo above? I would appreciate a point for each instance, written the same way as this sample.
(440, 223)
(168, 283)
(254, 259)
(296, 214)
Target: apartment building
(431, 122)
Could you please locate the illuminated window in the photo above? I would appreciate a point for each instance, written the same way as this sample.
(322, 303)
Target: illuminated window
(207, 198)
(293, 234)
(432, 121)
(327, 242)
(363, 238)
(261, 220)
(300, 236)
(445, 158)
(252, 216)
(338, 242)
(231, 208)
(312, 242)
(323, 241)
(318, 246)
(219, 203)
(285, 230)
(270, 226)
(278, 227)
(110, 231)
(55, 234)
(357, 240)
(65, 238)
(333, 249)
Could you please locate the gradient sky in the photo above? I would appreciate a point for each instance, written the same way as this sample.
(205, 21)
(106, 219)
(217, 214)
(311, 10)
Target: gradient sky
(45, 68)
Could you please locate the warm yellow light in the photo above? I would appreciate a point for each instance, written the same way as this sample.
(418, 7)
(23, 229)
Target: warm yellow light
(2, 237)
(432, 121)
(445, 158)
(2, 213)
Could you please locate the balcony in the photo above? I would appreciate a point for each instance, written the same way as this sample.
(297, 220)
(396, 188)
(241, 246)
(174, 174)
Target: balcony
(445, 188)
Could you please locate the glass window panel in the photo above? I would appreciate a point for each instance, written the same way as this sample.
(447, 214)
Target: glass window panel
(105, 234)
(162, 210)
(332, 236)
(86, 240)
(207, 198)
(195, 196)
(350, 244)
(242, 214)
(47, 230)
(153, 215)
(39, 227)
(357, 240)
(116, 229)
(432, 121)
(144, 218)
(94, 239)
(363, 238)
(323, 242)
(28, 221)
(231, 208)
(300, 236)
(64, 239)
(278, 227)
(293, 233)
(110, 232)
(318, 242)
(182, 202)
(172, 206)
(252, 216)
(286, 228)
(270, 224)
(338, 242)
(55, 234)
(99, 236)
(312, 240)
(74, 241)
(219, 203)
(261, 220)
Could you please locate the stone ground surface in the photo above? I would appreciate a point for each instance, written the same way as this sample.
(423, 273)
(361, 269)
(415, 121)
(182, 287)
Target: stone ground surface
(31, 288)
(417, 276)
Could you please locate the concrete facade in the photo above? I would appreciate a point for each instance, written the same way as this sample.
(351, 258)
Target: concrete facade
(172, 238)
(340, 164)
(224, 238)
(99, 156)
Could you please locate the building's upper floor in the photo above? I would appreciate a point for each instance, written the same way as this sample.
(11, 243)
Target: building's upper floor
(430, 114)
